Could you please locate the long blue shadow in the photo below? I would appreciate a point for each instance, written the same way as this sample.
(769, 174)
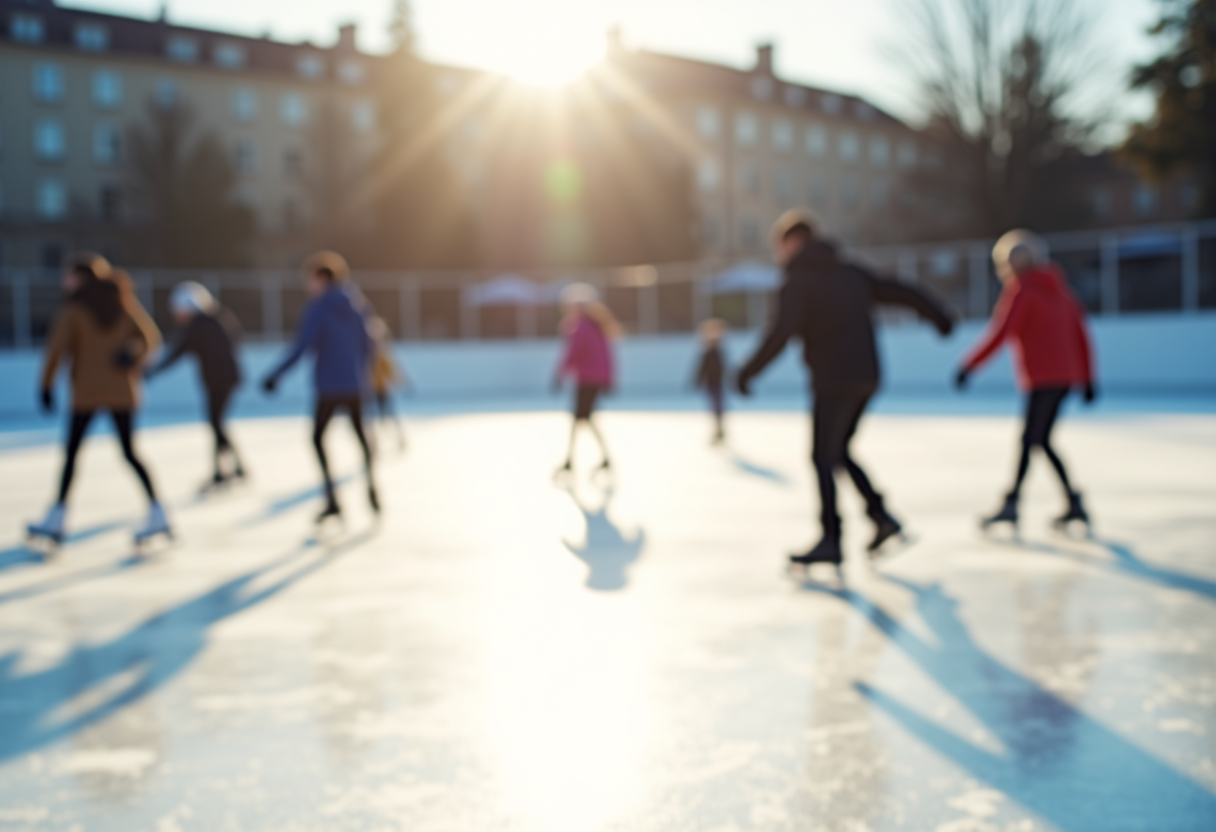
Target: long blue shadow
(22, 554)
(289, 502)
(153, 652)
(79, 577)
(1057, 761)
(743, 466)
(607, 552)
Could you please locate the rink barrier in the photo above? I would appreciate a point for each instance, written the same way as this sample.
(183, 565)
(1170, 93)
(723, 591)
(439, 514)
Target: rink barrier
(1159, 268)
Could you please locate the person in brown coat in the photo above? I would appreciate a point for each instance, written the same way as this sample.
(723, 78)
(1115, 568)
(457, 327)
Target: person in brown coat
(105, 336)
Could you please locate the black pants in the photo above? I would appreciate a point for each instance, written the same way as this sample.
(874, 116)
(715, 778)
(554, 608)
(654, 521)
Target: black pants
(76, 432)
(834, 421)
(326, 408)
(1042, 410)
(585, 398)
(217, 408)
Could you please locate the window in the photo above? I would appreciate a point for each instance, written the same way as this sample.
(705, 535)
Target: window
(709, 230)
(747, 129)
(352, 72)
(709, 124)
(230, 55)
(1144, 200)
(363, 119)
(51, 199)
(164, 93)
(244, 105)
(109, 202)
(880, 194)
(48, 83)
(182, 49)
(50, 140)
(864, 111)
(795, 96)
(26, 28)
(749, 178)
(850, 192)
(708, 175)
(1102, 202)
(293, 213)
(849, 147)
(783, 136)
(907, 154)
(310, 67)
(244, 156)
(819, 189)
(816, 142)
(783, 184)
(107, 89)
(293, 109)
(832, 104)
(762, 88)
(749, 233)
(107, 144)
(92, 37)
(880, 151)
(293, 161)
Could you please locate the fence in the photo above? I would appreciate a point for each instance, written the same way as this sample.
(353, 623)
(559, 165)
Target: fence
(1146, 268)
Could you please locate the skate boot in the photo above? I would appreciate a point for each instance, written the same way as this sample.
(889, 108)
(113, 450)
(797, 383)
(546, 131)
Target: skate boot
(217, 483)
(825, 551)
(885, 528)
(331, 511)
(156, 524)
(373, 499)
(1007, 514)
(1076, 513)
(50, 530)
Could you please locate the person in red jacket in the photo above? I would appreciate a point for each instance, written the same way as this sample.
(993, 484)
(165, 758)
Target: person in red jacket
(589, 329)
(1045, 325)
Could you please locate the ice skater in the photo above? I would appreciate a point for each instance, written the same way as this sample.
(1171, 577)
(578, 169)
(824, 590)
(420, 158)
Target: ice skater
(1046, 324)
(105, 335)
(589, 329)
(210, 333)
(386, 377)
(711, 373)
(334, 331)
(829, 303)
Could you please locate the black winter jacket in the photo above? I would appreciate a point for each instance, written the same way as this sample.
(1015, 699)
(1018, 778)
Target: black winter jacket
(212, 339)
(829, 304)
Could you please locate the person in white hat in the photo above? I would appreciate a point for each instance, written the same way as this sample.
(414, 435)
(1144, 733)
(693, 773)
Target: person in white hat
(210, 333)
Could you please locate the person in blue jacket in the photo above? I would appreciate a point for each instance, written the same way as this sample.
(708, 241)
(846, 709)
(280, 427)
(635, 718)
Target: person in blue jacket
(334, 330)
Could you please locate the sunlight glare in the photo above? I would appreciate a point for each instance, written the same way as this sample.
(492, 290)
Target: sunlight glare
(548, 45)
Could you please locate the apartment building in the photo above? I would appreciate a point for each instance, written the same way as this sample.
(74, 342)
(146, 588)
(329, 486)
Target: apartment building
(73, 82)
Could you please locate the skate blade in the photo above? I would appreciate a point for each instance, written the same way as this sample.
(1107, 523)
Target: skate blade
(800, 573)
(149, 545)
(891, 547)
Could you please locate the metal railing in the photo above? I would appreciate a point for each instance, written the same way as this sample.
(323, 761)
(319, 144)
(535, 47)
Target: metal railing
(1144, 268)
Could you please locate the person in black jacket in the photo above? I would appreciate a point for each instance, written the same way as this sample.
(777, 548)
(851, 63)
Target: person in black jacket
(828, 303)
(210, 333)
(711, 372)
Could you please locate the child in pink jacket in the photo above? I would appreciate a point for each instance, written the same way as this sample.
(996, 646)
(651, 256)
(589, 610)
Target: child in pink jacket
(589, 328)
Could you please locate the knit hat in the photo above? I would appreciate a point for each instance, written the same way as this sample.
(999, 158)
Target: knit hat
(191, 298)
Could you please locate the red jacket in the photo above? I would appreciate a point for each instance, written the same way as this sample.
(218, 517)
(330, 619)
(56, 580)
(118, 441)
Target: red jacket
(588, 356)
(1042, 318)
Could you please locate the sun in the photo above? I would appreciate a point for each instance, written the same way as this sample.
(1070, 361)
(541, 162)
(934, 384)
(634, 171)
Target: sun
(550, 62)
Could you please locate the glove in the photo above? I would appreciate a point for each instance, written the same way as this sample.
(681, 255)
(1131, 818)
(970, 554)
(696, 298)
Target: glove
(48, 400)
(1090, 394)
(124, 359)
(743, 383)
(961, 380)
(946, 327)
(269, 384)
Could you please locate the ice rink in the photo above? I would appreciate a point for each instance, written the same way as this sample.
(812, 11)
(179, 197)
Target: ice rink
(500, 653)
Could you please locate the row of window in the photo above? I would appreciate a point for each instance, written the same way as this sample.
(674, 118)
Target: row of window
(93, 36)
(785, 188)
(48, 87)
(764, 88)
(816, 139)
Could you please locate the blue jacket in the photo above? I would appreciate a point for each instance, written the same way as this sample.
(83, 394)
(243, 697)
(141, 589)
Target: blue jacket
(334, 330)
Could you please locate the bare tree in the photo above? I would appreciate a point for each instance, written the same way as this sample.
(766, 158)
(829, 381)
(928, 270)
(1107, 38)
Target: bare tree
(1002, 84)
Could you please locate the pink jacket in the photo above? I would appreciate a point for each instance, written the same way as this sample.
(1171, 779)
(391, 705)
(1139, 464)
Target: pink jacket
(588, 358)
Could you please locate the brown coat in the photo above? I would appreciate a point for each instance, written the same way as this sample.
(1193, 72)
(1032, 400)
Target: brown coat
(97, 379)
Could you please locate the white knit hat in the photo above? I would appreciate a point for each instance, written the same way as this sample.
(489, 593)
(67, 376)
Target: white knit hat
(191, 298)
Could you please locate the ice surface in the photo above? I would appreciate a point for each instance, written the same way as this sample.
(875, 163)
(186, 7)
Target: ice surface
(501, 653)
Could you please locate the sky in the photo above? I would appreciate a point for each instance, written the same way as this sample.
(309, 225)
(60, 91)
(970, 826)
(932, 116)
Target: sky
(838, 44)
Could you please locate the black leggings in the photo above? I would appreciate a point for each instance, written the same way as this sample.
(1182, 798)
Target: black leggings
(76, 431)
(835, 419)
(217, 408)
(1042, 410)
(326, 408)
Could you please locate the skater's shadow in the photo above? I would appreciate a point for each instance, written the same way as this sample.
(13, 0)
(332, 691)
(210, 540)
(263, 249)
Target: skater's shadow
(78, 577)
(744, 466)
(94, 681)
(1056, 760)
(288, 502)
(23, 554)
(606, 550)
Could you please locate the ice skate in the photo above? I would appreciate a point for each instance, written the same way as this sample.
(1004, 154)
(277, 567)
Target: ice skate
(604, 469)
(156, 525)
(1008, 514)
(1076, 514)
(47, 535)
(332, 511)
(825, 551)
(373, 499)
(564, 472)
(217, 483)
(885, 528)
